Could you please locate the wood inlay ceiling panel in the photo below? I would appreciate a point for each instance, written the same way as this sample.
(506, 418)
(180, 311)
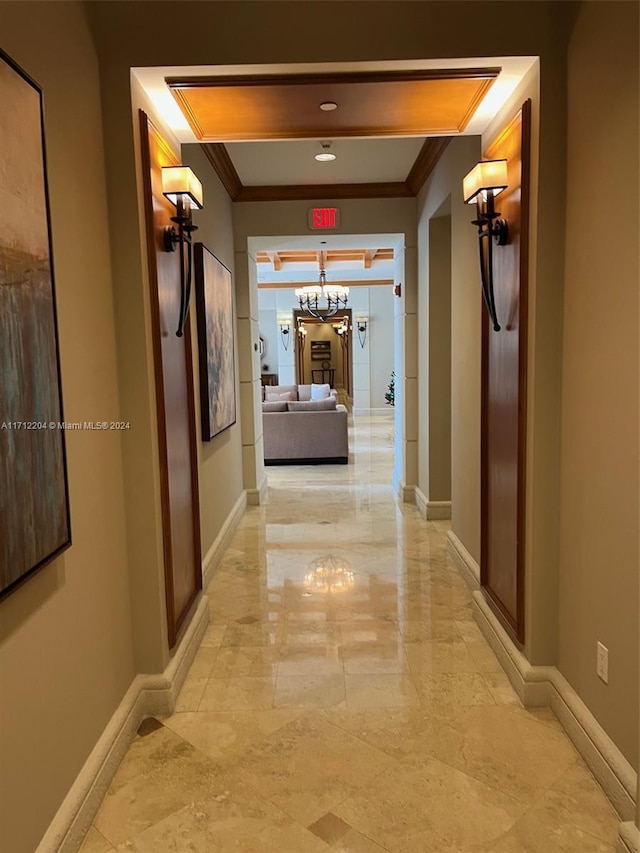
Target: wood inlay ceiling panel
(291, 285)
(292, 256)
(288, 107)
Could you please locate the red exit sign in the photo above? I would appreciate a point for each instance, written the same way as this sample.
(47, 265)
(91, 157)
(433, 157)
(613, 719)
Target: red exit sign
(324, 218)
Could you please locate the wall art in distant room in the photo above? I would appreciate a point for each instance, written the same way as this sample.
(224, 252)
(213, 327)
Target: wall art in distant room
(34, 503)
(214, 303)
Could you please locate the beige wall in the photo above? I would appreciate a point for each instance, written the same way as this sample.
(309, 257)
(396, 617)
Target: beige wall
(65, 635)
(439, 363)
(73, 619)
(446, 183)
(220, 460)
(599, 451)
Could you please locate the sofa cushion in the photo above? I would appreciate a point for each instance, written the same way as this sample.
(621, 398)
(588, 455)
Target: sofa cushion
(304, 392)
(274, 406)
(320, 392)
(272, 397)
(282, 389)
(328, 405)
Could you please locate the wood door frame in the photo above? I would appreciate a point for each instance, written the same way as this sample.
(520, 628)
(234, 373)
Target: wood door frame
(176, 622)
(514, 626)
(347, 368)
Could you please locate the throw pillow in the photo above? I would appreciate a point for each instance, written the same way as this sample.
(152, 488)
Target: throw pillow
(320, 392)
(274, 406)
(273, 398)
(328, 405)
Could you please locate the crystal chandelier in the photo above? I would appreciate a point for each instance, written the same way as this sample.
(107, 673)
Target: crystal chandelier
(336, 296)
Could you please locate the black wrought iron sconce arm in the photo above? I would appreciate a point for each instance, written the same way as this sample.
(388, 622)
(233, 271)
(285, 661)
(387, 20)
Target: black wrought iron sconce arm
(184, 190)
(482, 184)
(285, 331)
(362, 326)
(490, 228)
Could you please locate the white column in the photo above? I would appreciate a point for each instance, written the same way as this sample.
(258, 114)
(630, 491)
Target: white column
(254, 477)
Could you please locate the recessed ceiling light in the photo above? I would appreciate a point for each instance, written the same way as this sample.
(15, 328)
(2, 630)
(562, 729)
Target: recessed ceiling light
(325, 156)
(328, 106)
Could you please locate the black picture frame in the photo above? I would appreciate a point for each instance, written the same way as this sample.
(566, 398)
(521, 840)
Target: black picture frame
(34, 498)
(216, 342)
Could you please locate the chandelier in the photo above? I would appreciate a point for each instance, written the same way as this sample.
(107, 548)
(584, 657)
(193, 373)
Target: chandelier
(336, 296)
(329, 574)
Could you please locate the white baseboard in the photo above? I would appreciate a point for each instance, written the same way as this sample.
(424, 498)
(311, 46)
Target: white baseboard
(148, 696)
(438, 510)
(407, 494)
(545, 686)
(221, 542)
(257, 497)
(431, 510)
(465, 563)
(421, 502)
(628, 838)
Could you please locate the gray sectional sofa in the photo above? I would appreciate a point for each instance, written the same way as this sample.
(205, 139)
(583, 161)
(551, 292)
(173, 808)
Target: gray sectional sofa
(297, 432)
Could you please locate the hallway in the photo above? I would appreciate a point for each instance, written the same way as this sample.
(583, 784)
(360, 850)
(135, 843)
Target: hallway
(343, 698)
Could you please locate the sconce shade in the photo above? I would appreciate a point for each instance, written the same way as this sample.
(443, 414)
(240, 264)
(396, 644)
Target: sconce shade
(486, 175)
(180, 181)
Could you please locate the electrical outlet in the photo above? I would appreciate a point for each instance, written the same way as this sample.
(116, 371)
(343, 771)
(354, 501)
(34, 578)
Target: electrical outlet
(602, 663)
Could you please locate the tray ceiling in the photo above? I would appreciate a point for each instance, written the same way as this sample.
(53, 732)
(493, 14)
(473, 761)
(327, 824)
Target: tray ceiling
(225, 109)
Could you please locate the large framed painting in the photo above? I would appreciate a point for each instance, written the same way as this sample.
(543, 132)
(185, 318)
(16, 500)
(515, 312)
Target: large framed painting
(34, 505)
(214, 304)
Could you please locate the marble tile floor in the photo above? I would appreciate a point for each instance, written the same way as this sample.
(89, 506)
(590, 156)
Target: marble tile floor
(343, 698)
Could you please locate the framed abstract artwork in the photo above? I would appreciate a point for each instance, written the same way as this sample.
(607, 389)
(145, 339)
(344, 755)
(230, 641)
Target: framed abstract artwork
(214, 305)
(34, 502)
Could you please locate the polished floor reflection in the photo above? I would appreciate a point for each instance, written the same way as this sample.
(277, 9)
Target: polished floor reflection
(343, 698)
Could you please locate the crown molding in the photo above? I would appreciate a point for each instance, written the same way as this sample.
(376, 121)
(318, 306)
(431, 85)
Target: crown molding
(218, 156)
(425, 163)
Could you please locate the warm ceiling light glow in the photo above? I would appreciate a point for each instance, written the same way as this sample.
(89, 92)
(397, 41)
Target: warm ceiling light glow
(181, 181)
(328, 106)
(325, 156)
(486, 175)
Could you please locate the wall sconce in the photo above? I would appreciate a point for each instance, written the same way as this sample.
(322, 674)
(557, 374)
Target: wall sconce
(285, 331)
(184, 190)
(302, 334)
(483, 183)
(362, 324)
(341, 328)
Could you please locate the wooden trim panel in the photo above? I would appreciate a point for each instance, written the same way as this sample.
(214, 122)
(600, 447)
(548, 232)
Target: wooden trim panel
(333, 78)
(175, 399)
(503, 395)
